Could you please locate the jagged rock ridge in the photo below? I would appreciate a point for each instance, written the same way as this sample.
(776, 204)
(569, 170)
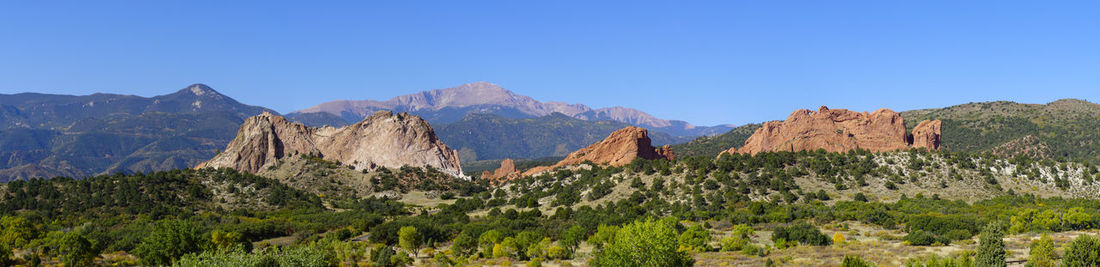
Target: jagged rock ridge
(841, 130)
(384, 139)
(618, 149)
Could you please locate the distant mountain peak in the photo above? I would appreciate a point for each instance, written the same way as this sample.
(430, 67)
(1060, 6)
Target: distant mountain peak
(200, 90)
(482, 85)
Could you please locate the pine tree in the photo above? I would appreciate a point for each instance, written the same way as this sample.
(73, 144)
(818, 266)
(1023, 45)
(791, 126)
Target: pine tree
(991, 247)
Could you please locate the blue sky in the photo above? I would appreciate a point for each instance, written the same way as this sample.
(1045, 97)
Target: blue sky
(704, 62)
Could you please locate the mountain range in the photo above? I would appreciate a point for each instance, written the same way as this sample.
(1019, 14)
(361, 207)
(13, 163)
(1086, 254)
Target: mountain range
(442, 106)
(44, 135)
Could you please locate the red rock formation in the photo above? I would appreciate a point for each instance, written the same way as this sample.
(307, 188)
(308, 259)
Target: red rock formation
(506, 172)
(838, 130)
(618, 149)
(384, 139)
(927, 135)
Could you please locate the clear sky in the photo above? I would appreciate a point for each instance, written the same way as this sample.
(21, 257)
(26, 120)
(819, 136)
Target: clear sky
(704, 62)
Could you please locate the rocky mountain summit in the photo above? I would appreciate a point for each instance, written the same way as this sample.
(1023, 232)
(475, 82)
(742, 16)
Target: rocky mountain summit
(384, 139)
(618, 149)
(840, 130)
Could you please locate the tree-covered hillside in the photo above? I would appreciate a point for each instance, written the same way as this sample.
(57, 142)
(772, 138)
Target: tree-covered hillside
(1063, 129)
(482, 136)
(711, 146)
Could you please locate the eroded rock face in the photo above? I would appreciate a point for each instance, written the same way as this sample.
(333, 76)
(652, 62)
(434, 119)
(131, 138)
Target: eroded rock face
(618, 149)
(384, 139)
(927, 134)
(839, 130)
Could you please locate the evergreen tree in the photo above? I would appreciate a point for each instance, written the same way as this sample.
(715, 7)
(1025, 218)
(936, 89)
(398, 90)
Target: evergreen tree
(464, 245)
(991, 247)
(75, 250)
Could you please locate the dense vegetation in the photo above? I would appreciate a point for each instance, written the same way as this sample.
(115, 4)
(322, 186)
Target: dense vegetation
(650, 212)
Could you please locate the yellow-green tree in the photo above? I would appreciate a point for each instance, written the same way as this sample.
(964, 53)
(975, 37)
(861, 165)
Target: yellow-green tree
(1077, 218)
(488, 240)
(695, 239)
(838, 238)
(1042, 252)
(16, 232)
(223, 239)
(408, 238)
(644, 243)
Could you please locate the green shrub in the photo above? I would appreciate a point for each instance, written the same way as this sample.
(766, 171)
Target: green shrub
(464, 245)
(308, 255)
(6, 255)
(957, 234)
(732, 243)
(695, 238)
(922, 238)
(855, 261)
(644, 243)
(1041, 253)
(170, 240)
(802, 233)
(752, 250)
(1084, 251)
